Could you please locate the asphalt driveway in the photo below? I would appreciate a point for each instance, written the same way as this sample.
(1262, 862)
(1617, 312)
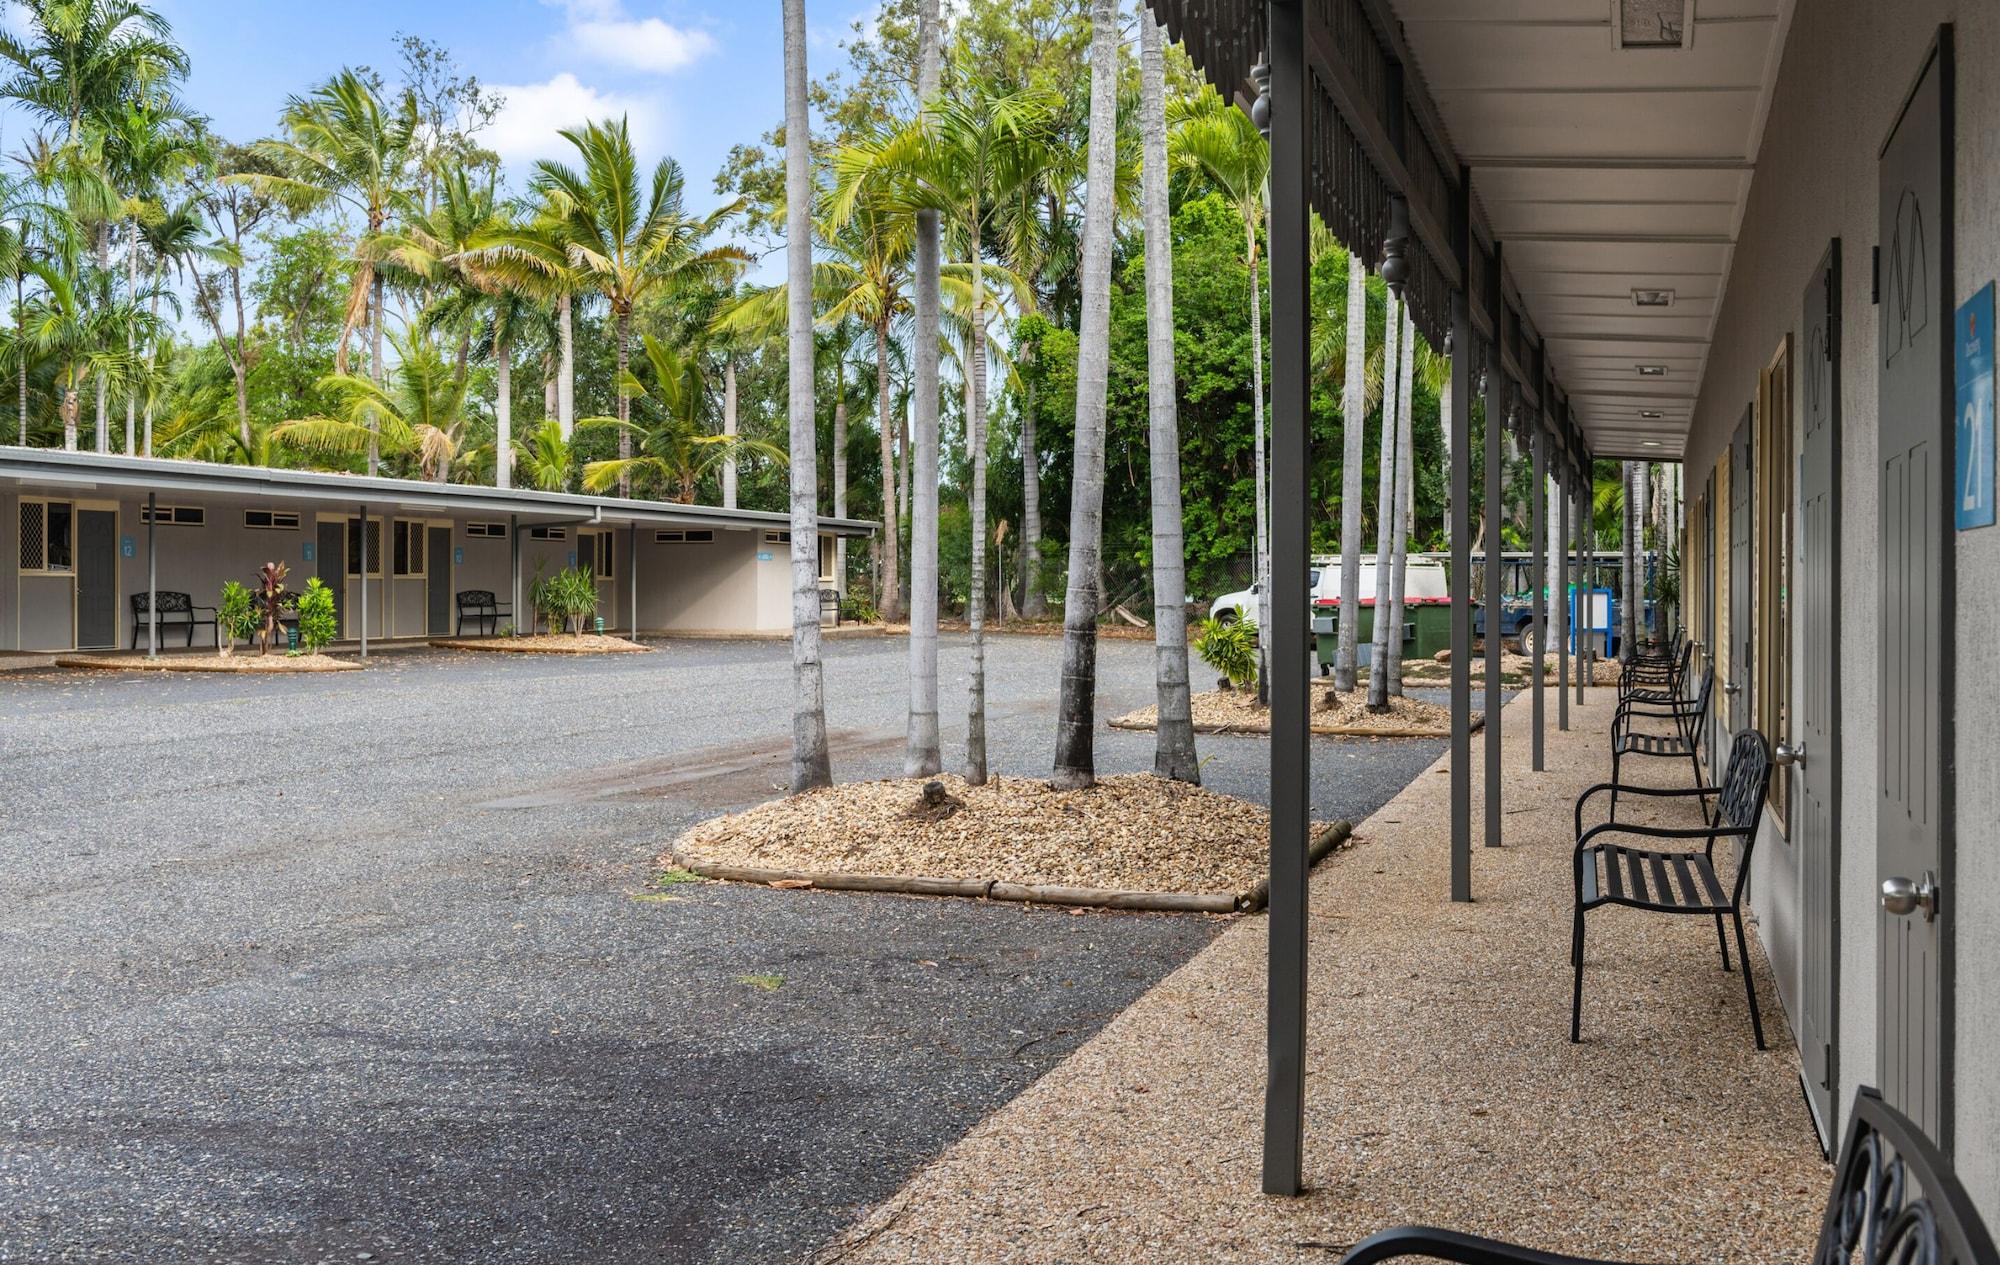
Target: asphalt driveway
(366, 967)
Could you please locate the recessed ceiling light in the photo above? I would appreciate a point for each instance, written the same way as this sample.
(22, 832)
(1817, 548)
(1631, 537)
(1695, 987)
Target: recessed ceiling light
(1651, 371)
(1652, 443)
(1652, 298)
(1651, 414)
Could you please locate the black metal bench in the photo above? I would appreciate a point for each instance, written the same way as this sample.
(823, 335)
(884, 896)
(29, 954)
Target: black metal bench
(175, 610)
(1684, 743)
(1894, 1199)
(486, 612)
(1675, 881)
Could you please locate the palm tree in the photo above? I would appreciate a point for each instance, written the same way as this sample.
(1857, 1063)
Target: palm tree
(419, 413)
(1399, 541)
(1353, 421)
(1173, 750)
(1075, 763)
(624, 240)
(147, 147)
(1385, 514)
(85, 58)
(545, 458)
(174, 240)
(922, 756)
(675, 447)
(811, 765)
(82, 338)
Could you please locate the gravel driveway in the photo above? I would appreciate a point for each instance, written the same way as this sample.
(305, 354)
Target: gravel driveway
(364, 967)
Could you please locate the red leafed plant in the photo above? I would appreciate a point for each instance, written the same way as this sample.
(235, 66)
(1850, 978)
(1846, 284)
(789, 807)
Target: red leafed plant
(271, 599)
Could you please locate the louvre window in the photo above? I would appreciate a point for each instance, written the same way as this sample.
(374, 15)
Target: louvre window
(777, 538)
(272, 520)
(689, 537)
(174, 515)
(548, 533)
(486, 531)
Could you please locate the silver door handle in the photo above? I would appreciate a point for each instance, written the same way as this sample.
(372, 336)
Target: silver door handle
(1731, 687)
(1902, 896)
(1785, 756)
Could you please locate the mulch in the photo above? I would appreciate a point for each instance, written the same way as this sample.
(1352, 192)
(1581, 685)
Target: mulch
(1334, 714)
(545, 643)
(239, 662)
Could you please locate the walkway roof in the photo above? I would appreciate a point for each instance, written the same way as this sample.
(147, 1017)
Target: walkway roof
(46, 468)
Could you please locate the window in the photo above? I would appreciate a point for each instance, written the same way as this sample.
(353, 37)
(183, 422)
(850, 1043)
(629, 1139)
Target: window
(689, 537)
(827, 555)
(548, 533)
(408, 542)
(354, 547)
(46, 537)
(595, 551)
(486, 531)
(174, 515)
(777, 538)
(1773, 572)
(272, 520)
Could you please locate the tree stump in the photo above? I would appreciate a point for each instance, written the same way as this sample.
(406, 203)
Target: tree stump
(936, 805)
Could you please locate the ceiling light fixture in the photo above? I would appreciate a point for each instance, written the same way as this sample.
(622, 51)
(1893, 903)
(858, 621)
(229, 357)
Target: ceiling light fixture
(1651, 371)
(1652, 443)
(1652, 298)
(1651, 414)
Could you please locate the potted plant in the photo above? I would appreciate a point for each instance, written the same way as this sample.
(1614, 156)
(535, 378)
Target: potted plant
(270, 600)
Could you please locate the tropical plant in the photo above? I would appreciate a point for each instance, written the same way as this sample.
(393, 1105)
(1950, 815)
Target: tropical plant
(545, 459)
(236, 617)
(1230, 648)
(419, 415)
(1353, 427)
(673, 445)
(83, 58)
(1385, 514)
(922, 755)
(566, 600)
(318, 623)
(270, 600)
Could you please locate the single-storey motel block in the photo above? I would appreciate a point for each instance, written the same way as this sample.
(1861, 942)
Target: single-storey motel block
(84, 537)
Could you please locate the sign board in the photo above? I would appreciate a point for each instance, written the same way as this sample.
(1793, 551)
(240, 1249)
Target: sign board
(763, 555)
(309, 550)
(458, 555)
(128, 546)
(1973, 488)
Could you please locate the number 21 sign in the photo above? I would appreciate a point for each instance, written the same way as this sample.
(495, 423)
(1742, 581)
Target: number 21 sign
(1973, 486)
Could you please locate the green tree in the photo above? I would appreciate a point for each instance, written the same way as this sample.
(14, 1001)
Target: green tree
(674, 447)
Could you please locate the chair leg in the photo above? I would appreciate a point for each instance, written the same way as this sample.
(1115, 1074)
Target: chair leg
(1576, 989)
(1749, 984)
(1614, 784)
(1722, 942)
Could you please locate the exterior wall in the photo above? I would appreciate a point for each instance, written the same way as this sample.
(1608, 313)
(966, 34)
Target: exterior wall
(700, 586)
(1847, 64)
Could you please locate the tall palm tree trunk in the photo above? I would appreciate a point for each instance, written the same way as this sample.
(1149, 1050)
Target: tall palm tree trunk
(1353, 431)
(1385, 515)
(1033, 604)
(21, 353)
(840, 472)
(889, 598)
(376, 369)
(922, 756)
(975, 615)
(566, 367)
(811, 764)
(729, 431)
(625, 405)
(1262, 564)
(503, 412)
(1629, 594)
(1173, 740)
(103, 394)
(1076, 707)
(1400, 546)
(131, 334)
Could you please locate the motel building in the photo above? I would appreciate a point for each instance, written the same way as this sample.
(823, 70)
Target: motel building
(84, 537)
(1759, 239)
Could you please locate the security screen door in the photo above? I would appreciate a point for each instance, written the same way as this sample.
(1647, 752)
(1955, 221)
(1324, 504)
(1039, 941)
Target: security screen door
(96, 579)
(438, 558)
(1815, 804)
(1914, 447)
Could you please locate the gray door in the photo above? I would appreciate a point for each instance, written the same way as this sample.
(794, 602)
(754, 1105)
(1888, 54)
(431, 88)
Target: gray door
(1914, 445)
(1708, 647)
(437, 557)
(1742, 616)
(96, 579)
(331, 554)
(1815, 797)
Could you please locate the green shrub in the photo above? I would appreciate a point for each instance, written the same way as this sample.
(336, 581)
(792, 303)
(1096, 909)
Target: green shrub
(317, 624)
(1231, 649)
(237, 616)
(856, 607)
(569, 597)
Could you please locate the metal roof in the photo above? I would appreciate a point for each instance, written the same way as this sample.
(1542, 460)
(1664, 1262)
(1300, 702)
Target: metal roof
(48, 467)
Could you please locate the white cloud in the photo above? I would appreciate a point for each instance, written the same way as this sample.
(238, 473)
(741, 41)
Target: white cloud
(528, 125)
(602, 31)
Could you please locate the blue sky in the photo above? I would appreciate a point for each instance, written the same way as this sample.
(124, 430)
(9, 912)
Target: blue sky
(693, 76)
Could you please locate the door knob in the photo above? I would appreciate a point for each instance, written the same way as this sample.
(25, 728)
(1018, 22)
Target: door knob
(1902, 896)
(1784, 756)
(1731, 687)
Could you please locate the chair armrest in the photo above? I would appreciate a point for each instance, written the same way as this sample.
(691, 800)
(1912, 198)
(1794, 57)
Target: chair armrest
(1625, 789)
(209, 609)
(1710, 833)
(1451, 1245)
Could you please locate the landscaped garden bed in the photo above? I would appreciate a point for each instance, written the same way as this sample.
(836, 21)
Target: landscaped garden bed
(1334, 714)
(1134, 841)
(185, 662)
(545, 643)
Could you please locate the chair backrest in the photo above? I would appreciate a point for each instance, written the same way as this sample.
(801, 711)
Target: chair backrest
(1683, 659)
(476, 597)
(1895, 1197)
(171, 603)
(1703, 694)
(1745, 779)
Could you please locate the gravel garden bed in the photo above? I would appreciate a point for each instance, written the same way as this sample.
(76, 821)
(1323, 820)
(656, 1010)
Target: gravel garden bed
(545, 643)
(1334, 714)
(209, 663)
(1134, 841)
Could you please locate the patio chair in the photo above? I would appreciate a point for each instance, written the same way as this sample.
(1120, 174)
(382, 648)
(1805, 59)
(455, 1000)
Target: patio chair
(1894, 1198)
(1658, 674)
(1674, 881)
(1684, 743)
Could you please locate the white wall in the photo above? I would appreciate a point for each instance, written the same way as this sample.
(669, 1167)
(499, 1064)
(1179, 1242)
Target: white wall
(1847, 65)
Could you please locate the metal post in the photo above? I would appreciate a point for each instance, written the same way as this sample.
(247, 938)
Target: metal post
(632, 569)
(1562, 608)
(1291, 455)
(1586, 649)
(152, 577)
(364, 579)
(1461, 591)
(1538, 518)
(1496, 421)
(514, 540)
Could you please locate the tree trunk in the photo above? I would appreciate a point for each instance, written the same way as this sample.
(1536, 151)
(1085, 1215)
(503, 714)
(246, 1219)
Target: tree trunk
(1354, 438)
(811, 764)
(888, 596)
(922, 757)
(1400, 545)
(20, 349)
(375, 371)
(1645, 469)
(1385, 514)
(1173, 739)
(72, 409)
(565, 368)
(152, 351)
(1033, 604)
(103, 394)
(131, 334)
(503, 413)
(1629, 586)
(239, 364)
(1076, 708)
(625, 410)
(1262, 565)
(840, 471)
(975, 615)
(729, 431)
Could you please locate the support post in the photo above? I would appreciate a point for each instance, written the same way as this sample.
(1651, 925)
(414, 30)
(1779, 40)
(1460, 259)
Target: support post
(1461, 590)
(632, 571)
(1291, 454)
(1496, 422)
(1538, 601)
(152, 577)
(514, 544)
(364, 579)
(1562, 607)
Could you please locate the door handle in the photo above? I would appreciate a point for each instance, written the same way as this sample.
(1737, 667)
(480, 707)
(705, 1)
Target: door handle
(1785, 756)
(1902, 896)
(1731, 687)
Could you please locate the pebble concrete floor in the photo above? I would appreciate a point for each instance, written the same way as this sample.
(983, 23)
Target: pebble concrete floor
(364, 966)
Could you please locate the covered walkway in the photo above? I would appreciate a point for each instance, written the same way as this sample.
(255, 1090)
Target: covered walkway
(1440, 1085)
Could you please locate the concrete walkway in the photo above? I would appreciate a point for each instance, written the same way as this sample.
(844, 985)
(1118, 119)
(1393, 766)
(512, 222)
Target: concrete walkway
(1442, 1088)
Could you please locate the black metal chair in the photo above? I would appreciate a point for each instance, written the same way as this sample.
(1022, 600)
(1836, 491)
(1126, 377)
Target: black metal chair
(176, 610)
(1673, 881)
(1684, 743)
(1894, 1198)
(481, 607)
(1656, 675)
